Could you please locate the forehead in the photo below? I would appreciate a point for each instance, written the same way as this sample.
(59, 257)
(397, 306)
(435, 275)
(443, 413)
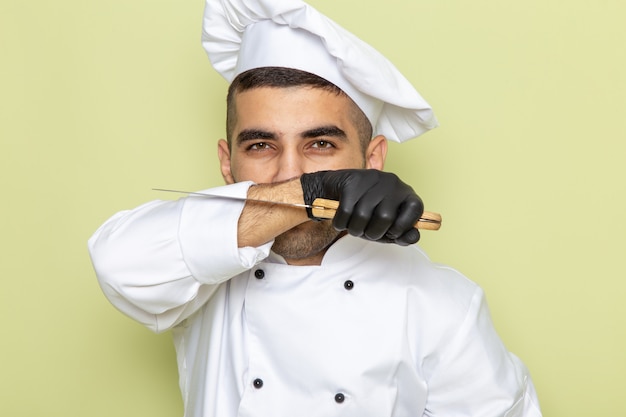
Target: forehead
(281, 106)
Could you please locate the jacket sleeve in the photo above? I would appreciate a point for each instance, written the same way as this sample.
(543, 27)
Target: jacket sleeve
(160, 262)
(477, 376)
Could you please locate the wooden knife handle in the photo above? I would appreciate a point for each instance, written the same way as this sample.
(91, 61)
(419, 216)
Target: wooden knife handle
(326, 209)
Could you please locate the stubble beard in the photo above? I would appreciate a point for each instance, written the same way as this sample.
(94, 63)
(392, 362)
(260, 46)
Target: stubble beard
(308, 240)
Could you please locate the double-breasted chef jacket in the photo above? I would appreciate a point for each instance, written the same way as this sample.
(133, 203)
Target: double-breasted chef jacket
(375, 330)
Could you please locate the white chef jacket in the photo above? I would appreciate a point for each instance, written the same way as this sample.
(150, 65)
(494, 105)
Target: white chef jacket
(375, 330)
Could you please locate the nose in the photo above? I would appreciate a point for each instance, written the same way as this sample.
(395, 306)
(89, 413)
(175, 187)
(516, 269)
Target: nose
(290, 165)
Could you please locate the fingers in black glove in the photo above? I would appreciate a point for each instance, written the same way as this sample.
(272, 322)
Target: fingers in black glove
(373, 204)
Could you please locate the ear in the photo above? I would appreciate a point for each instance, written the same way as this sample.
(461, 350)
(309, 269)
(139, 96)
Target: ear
(223, 153)
(376, 153)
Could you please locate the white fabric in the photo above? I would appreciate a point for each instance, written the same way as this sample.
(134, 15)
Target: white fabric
(411, 338)
(243, 34)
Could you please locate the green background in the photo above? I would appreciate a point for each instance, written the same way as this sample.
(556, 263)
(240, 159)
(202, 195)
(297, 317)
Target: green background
(102, 101)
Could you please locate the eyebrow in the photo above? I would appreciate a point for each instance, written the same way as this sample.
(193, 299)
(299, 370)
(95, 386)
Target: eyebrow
(330, 131)
(258, 134)
(254, 134)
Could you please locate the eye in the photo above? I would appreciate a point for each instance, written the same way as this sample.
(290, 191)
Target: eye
(258, 146)
(322, 144)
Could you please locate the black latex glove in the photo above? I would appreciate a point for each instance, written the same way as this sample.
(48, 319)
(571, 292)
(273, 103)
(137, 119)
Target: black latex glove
(373, 204)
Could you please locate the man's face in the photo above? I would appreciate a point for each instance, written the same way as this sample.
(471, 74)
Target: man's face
(281, 133)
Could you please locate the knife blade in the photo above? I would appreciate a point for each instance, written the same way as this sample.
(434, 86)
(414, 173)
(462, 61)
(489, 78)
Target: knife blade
(321, 207)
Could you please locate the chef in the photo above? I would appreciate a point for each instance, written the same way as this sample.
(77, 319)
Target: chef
(274, 310)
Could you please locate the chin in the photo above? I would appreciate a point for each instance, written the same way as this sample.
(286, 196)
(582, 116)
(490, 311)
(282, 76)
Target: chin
(306, 240)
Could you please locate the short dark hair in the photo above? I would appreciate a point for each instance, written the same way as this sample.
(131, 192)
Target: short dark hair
(281, 77)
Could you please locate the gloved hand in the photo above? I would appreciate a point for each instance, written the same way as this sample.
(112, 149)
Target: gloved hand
(373, 204)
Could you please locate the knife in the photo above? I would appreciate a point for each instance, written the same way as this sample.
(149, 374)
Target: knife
(321, 208)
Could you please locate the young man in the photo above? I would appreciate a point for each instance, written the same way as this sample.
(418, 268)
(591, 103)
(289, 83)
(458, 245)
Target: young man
(275, 313)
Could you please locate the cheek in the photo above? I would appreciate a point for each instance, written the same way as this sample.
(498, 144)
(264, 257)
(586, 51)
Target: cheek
(346, 161)
(242, 170)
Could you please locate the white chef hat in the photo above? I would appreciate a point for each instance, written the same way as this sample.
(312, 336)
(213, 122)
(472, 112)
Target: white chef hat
(239, 35)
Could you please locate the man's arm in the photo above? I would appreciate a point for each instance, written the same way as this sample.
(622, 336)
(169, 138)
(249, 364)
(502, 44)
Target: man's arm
(159, 262)
(474, 374)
